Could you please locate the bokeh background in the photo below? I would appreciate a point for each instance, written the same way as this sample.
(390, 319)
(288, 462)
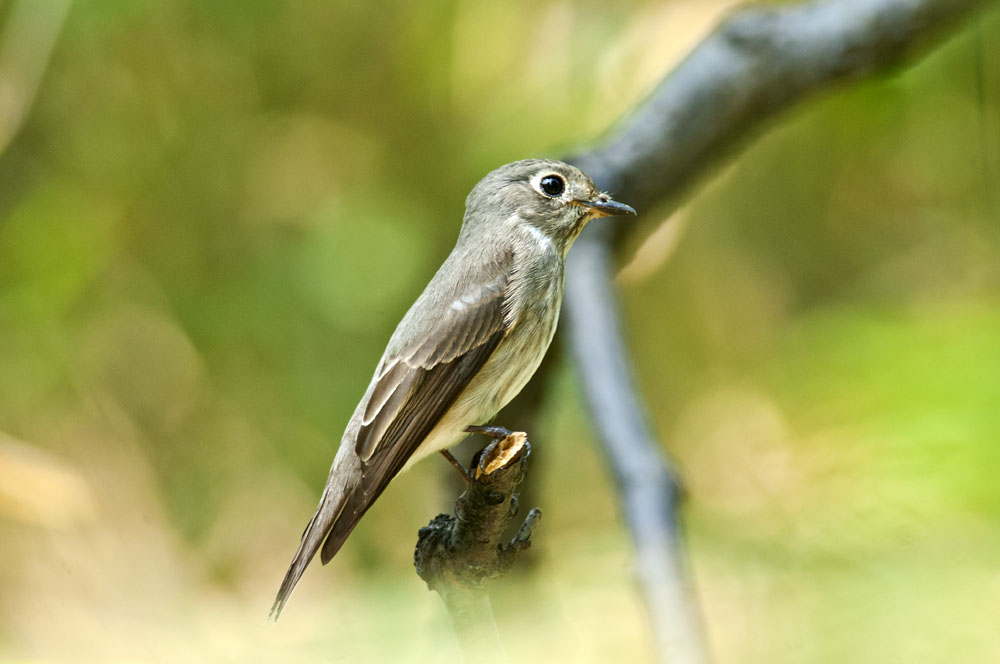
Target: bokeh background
(212, 215)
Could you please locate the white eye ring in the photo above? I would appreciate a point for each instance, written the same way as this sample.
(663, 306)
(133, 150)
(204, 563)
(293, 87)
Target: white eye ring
(551, 185)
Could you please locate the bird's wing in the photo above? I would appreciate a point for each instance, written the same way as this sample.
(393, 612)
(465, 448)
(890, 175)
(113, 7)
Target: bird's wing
(443, 342)
(418, 382)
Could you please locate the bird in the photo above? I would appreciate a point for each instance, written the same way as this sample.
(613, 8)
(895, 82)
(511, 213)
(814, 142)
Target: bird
(467, 345)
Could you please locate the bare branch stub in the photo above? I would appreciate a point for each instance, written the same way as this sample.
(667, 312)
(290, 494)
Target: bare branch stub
(468, 549)
(458, 555)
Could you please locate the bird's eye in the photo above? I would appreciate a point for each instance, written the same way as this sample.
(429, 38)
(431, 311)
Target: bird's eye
(552, 185)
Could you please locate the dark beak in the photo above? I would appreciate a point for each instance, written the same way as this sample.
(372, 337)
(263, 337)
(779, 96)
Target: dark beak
(603, 206)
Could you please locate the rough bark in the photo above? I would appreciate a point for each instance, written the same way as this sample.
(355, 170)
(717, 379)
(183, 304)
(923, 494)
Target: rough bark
(457, 556)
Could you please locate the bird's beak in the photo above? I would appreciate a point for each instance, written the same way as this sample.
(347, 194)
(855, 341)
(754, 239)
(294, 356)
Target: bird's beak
(603, 206)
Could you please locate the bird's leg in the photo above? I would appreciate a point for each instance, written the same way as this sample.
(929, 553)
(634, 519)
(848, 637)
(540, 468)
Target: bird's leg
(493, 432)
(462, 470)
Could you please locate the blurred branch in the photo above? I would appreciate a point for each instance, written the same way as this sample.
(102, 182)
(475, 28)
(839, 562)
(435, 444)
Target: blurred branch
(759, 62)
(458, 555)
(26, 44)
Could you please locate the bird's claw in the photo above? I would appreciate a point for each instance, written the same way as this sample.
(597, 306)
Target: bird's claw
(493, 432)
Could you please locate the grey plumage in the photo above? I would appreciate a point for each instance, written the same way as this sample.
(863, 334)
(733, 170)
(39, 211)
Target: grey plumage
(467, 345)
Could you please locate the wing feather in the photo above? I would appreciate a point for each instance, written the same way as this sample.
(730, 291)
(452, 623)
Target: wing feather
(415, 388)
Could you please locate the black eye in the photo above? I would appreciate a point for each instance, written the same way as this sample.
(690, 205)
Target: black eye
(552, 185)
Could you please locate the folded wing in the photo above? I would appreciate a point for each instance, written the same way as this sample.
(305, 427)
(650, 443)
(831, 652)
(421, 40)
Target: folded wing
(416, 386)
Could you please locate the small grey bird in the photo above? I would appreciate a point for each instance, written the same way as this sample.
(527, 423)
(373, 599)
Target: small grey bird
(467, 345)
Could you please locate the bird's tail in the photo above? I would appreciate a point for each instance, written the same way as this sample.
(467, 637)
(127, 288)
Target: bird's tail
(336, 496)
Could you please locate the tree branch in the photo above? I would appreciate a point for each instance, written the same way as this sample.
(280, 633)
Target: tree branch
(458, 555)
(759, 62)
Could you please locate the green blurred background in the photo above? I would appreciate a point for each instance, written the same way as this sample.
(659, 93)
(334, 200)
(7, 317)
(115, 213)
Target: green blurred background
(214, 213)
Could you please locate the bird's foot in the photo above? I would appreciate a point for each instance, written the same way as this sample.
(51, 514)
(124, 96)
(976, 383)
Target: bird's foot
(493, 432)
(505, 445)
(496, 433)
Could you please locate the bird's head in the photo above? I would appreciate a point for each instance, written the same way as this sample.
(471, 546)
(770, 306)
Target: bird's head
(543, 195)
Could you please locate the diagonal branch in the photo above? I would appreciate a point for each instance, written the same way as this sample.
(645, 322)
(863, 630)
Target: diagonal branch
(759, 62)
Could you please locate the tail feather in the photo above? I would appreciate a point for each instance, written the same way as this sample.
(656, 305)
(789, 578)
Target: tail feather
(337, 536)
(331, 505)
(353, 509)
(348, 494)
